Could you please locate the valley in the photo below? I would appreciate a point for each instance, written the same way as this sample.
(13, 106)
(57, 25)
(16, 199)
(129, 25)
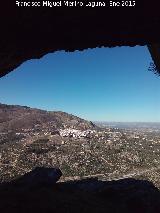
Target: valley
(32, 138)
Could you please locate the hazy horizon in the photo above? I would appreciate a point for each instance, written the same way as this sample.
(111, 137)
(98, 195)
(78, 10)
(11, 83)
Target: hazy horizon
(96, 121)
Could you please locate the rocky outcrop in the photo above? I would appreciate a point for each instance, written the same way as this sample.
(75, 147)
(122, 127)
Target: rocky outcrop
(40, 177)
(31, 32)
(90, 195)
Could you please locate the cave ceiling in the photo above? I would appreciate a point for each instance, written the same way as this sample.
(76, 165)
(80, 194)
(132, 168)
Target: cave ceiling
(31, 32)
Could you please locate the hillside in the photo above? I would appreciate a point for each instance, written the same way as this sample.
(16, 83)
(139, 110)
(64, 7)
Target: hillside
(13, 117)
(98, 169)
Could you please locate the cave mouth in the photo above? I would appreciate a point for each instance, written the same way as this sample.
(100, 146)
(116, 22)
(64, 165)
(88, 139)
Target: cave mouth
(92, 113)
(100, 84)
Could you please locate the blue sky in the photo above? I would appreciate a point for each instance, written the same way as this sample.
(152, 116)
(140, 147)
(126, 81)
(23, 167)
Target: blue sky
(101, 84)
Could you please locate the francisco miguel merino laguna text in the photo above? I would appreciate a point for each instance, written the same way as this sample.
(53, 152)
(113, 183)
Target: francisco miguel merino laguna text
(59, 4)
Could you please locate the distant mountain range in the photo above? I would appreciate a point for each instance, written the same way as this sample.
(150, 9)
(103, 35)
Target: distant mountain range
(15, 117)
